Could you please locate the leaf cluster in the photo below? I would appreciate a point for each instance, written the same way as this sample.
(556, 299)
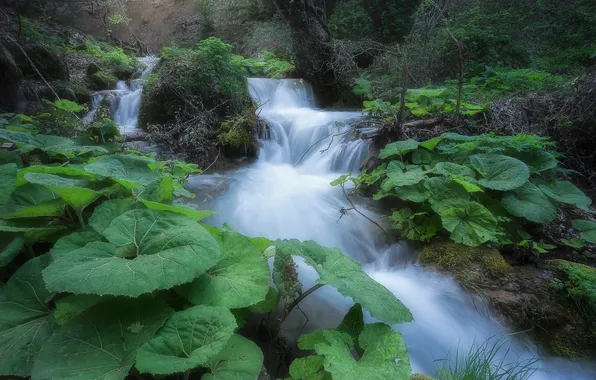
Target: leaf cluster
(132, 280)
(475, 189)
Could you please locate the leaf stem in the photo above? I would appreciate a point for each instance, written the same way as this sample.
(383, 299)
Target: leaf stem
(81, 220)
(186, 375)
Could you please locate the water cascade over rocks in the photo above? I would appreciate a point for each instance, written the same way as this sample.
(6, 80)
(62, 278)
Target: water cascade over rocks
(286, 193)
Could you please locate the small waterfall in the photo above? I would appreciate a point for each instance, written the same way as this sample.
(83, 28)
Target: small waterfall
(124, 101)
(287, 194)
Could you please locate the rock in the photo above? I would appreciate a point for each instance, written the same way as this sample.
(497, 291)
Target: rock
(11, 78)
(418, 376)
(49, 64)
(125, 73)
(93, 68)
(102, 81)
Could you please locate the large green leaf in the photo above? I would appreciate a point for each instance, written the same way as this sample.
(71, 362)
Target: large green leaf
(446, 194)
(72, 242)
(188, 211)
(347, 276)
(8, 175)
(537, 160)
(129, 171)
(101, 343)
(189, 339)
(72, 191)
(240, 359)
(500, 172)
(385, 356)
(148, 251)
(451, 169)
(70, 306)
(408, 178)
(240, 279)
(398, 148)
(530, 203)
(104, 214)
(31, 201)
(25, 321)
(69, 170)
(10, 246)
(472, 225)
(353, 322)
(415, 193)
(308, 368)
(566, 192)
(587, 229)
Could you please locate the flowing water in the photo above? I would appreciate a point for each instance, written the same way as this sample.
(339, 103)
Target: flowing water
(124, 101)
(286, 194)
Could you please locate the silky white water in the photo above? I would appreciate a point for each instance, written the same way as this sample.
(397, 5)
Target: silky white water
(124, 101)
(286, 194)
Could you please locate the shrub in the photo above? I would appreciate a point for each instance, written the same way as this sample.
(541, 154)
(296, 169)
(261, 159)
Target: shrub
(267, 64)
(475, 189)
(577, 284)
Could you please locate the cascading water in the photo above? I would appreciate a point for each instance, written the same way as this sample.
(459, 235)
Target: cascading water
(286, 194)
(124, 101)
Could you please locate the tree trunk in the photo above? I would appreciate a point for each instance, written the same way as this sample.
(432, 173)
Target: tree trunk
(313, 47)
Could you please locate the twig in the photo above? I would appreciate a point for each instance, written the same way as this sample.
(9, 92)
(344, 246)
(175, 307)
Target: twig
(358, 211)
(209, 167)
(300, 298)
(313, 145)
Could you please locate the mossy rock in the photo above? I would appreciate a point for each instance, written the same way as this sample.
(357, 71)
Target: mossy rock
(237, 135)
(418, 376)
(463, 261)
(46, 60)
(576, 285)
(103, 81)
(126, 72)
(93, 68)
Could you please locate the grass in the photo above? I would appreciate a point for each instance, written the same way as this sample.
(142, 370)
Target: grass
(485, 361)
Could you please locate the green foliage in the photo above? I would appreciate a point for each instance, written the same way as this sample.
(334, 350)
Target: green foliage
(112, 58)
(481, 361)
(267, 64)
(478, 189)
(124, 258)
(577, 284)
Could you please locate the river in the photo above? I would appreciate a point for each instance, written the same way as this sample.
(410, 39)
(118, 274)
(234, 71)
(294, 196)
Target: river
(286, 193)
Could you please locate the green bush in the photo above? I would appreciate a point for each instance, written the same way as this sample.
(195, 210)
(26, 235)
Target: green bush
(474, 189)
(267, 64)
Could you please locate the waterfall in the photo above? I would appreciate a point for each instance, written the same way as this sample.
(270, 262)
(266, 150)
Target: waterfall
(286, 193)
(124, 101)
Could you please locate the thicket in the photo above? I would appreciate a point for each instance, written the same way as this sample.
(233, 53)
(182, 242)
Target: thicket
(108, 274)
(476, 190)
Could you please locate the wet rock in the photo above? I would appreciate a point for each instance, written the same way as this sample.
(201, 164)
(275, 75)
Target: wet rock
(93, 68)
(102, 81)
(10, 78)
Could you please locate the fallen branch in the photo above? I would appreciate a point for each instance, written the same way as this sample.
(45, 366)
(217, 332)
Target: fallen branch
(423, 123)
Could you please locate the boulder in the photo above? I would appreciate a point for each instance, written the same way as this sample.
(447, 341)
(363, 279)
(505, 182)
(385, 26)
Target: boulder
(102, 81)
(93, 68)
(10, 78)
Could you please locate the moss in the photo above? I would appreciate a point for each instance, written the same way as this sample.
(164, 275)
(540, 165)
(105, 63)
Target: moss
(576, 284)
(93, 68)
(103, 81)
(237, 135)
(458, 258)
(418, 376)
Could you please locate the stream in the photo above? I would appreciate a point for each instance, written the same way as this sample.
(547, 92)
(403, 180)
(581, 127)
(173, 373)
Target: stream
(286, 193)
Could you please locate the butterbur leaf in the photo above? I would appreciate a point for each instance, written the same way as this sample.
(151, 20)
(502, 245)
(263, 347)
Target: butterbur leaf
(537, 160)
(147, 251)
(189, 339)
(310, 341)
(308, 368)
(69, 170)
(472, 225)
(385, 355)
(8, 175)
(105, 213)
(587, 229)
(353, 322)
(129, 171)
(530, 203)
(574, 243)
(414, 193)
(10, 246)
(72, 242)
(566, 192)
(240, 359)
(446, 194)
(70, 306)
(98, 344)
(432, 143)
(347, 276)
(72, 191)
(188, 211)
(469, 184)
(268, 304)
(31, 201)
(25, 321)
(500, 172)
(398, 148)
(406, 179)
(450, 169)
(239, 279)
